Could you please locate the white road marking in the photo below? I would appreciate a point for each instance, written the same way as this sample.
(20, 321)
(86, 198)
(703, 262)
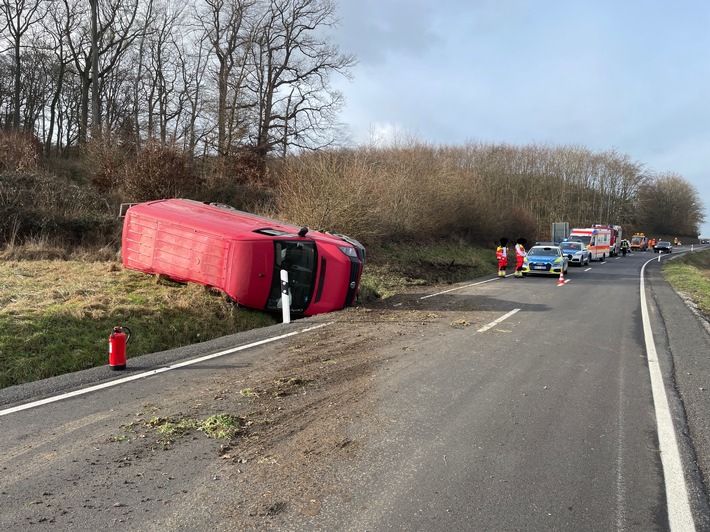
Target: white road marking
(496, 322)
(679, 514)
(459, 288)
(588, 269)
(116, 382)
(621, 488)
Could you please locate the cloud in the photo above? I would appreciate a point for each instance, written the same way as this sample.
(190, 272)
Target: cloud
(630, 75)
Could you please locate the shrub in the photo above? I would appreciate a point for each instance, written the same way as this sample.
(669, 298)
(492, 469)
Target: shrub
(19, 152)
(44, 209)
(159, 172)
(104, 163)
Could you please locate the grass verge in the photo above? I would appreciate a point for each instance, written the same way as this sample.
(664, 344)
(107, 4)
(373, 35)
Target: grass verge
(689, 275)
(56, 316)
(397, 266)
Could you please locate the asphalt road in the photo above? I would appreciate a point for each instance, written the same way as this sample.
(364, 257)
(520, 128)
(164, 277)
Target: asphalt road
(544, 420)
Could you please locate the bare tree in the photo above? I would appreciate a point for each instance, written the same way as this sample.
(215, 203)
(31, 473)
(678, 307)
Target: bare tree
(56, 32)
(18, 17)
(292, 64)
(225, 28)
(159, 94)
(669, 205)
(193, 68)
(97, 48)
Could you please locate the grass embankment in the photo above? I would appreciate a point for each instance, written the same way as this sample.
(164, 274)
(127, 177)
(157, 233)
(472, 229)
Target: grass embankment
(56, 315)
(689, 275)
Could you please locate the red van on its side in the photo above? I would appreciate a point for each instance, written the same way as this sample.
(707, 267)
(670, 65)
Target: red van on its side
(242, 255)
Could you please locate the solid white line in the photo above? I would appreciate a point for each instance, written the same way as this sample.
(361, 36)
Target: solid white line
(679, 514)
(459, 288)
(124, 380)
(496, 322)
(621, 488)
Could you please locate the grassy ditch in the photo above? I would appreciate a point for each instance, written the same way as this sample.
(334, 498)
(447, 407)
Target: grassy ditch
(689, 275)
(394, 267)
(56, 315)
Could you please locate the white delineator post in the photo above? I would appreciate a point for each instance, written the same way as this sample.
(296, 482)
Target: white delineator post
(285, 300)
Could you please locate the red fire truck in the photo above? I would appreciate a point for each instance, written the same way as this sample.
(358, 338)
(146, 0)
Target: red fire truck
(242, 255)
(615, 241)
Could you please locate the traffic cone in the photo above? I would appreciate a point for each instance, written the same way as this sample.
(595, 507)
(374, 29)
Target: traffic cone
(561, 280)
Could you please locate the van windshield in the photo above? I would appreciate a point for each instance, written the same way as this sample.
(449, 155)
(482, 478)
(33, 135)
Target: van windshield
(584, 239)
(298, 258)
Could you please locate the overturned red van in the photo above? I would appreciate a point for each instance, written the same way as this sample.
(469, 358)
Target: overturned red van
(242, 255)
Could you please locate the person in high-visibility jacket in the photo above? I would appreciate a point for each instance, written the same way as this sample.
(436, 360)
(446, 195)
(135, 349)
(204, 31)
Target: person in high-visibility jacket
(520, 255)
(502, 256)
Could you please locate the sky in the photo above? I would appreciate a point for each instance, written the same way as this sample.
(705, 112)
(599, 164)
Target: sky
(629, 75)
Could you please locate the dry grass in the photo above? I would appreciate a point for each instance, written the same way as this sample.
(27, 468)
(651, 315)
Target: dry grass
(55, 316)
(690, 276)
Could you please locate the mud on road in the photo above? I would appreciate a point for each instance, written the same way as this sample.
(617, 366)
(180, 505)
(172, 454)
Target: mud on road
(295, 425)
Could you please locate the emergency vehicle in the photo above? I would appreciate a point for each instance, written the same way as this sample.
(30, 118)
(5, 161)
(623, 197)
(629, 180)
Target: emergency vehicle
(615, 242)
(242, 255)
(639, 242)
(596, 239)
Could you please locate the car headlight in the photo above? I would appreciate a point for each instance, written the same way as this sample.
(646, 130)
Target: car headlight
(350, 252)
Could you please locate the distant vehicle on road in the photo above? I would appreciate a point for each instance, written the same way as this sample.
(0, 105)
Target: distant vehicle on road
(596, 239)
(576, 252)
(545, 260)
(615, 239)
(639, 242)
(663, 246)
(242, 255)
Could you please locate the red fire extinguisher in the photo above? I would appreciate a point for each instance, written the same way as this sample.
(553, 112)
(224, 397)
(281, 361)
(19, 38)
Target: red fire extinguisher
(117, 347)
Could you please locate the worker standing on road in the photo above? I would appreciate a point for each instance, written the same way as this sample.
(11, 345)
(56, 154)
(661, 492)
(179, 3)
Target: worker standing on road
(624, 247)
(520, 255)
(502, 257)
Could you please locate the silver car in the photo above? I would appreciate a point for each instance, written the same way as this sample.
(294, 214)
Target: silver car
(576, 252)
